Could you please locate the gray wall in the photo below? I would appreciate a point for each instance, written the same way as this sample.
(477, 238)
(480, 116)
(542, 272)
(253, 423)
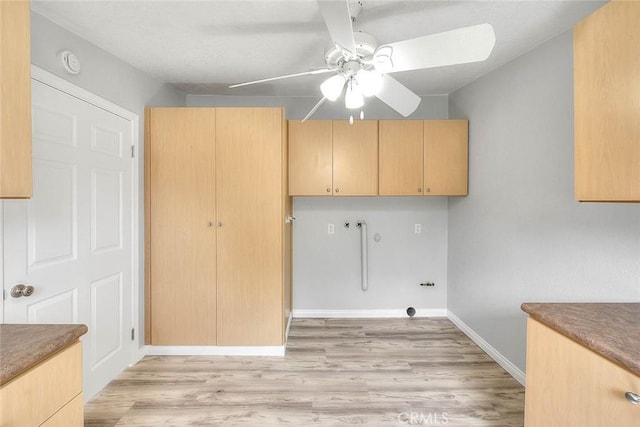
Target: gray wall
(326, 268)
(519, 235)
(431, 107)
(112, 79)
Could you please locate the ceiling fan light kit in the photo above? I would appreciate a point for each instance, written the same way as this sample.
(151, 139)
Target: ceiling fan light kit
(353, 98)
(370, 82)
(362, 67)
(332, 87)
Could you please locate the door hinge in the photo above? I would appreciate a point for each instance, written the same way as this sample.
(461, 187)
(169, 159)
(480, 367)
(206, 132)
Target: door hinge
(133, 334)
(133, 151)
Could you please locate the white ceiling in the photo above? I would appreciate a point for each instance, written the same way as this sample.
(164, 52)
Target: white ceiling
(201, 47)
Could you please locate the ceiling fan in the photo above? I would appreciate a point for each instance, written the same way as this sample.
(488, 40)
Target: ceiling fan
(362, 67)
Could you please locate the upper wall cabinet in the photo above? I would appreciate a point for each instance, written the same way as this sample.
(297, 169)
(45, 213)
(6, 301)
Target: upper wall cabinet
(423, 157)
(15, 100)
(311, 158)
(401, 157)
(333, 158)
(355, 158)
(446, 157)
(607, 104)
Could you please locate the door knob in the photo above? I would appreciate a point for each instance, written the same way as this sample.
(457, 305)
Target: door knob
(21, 290)
(633, 398)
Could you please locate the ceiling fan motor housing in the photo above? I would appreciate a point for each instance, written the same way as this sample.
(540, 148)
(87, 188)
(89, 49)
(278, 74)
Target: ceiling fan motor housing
(366, 44)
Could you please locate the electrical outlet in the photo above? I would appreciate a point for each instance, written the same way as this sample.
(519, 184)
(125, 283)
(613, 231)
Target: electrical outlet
(417, 228)
(331, 229)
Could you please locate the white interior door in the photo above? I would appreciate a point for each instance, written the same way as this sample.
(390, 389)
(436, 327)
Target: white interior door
(73, 240)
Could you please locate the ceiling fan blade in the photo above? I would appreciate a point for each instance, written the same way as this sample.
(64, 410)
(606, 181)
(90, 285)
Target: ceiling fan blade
(306, 73)
(460, 46)
(398, 96)
(338, 19)
(313, 110)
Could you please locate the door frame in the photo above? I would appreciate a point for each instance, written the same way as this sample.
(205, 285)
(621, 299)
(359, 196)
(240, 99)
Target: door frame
(71, 89)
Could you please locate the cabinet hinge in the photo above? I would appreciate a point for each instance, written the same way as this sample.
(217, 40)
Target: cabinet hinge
(133, 151)
(133, 334)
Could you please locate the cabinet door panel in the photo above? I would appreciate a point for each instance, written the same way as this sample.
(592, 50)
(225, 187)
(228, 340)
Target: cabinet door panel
(355, 158)
(310, 158)
(182, 211)
(35, 395)
(70, 415)
(607, 104)
(569, 385)
(15, 102)
(401, 157)
(445, 157)
(250, 204)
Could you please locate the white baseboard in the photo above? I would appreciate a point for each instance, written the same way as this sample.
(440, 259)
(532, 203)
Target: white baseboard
(354, 314)
(286, 332)
(138, 354)
(506, 364)
(214, 350)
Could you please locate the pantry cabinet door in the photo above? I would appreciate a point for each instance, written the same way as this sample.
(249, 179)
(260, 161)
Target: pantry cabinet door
(181, 238)
(249, 191)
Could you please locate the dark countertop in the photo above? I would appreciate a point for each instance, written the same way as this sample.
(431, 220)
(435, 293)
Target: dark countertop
(612, 330)
(24, 346)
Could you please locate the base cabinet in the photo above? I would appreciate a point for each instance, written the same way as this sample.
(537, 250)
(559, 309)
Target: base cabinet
(217, 245)
(570, 385)
(48, 394)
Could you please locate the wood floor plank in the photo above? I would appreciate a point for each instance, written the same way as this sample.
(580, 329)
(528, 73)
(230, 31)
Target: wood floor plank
(336, 371)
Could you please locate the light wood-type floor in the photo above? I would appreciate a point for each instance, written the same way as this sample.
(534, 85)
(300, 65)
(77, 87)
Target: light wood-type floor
(336, 371)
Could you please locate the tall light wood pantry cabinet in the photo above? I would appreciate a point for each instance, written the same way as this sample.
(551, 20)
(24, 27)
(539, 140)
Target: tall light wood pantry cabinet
(15, 100)
(607, 104)
(218, 245)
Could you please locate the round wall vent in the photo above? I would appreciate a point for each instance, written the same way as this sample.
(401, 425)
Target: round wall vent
(70, 62)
